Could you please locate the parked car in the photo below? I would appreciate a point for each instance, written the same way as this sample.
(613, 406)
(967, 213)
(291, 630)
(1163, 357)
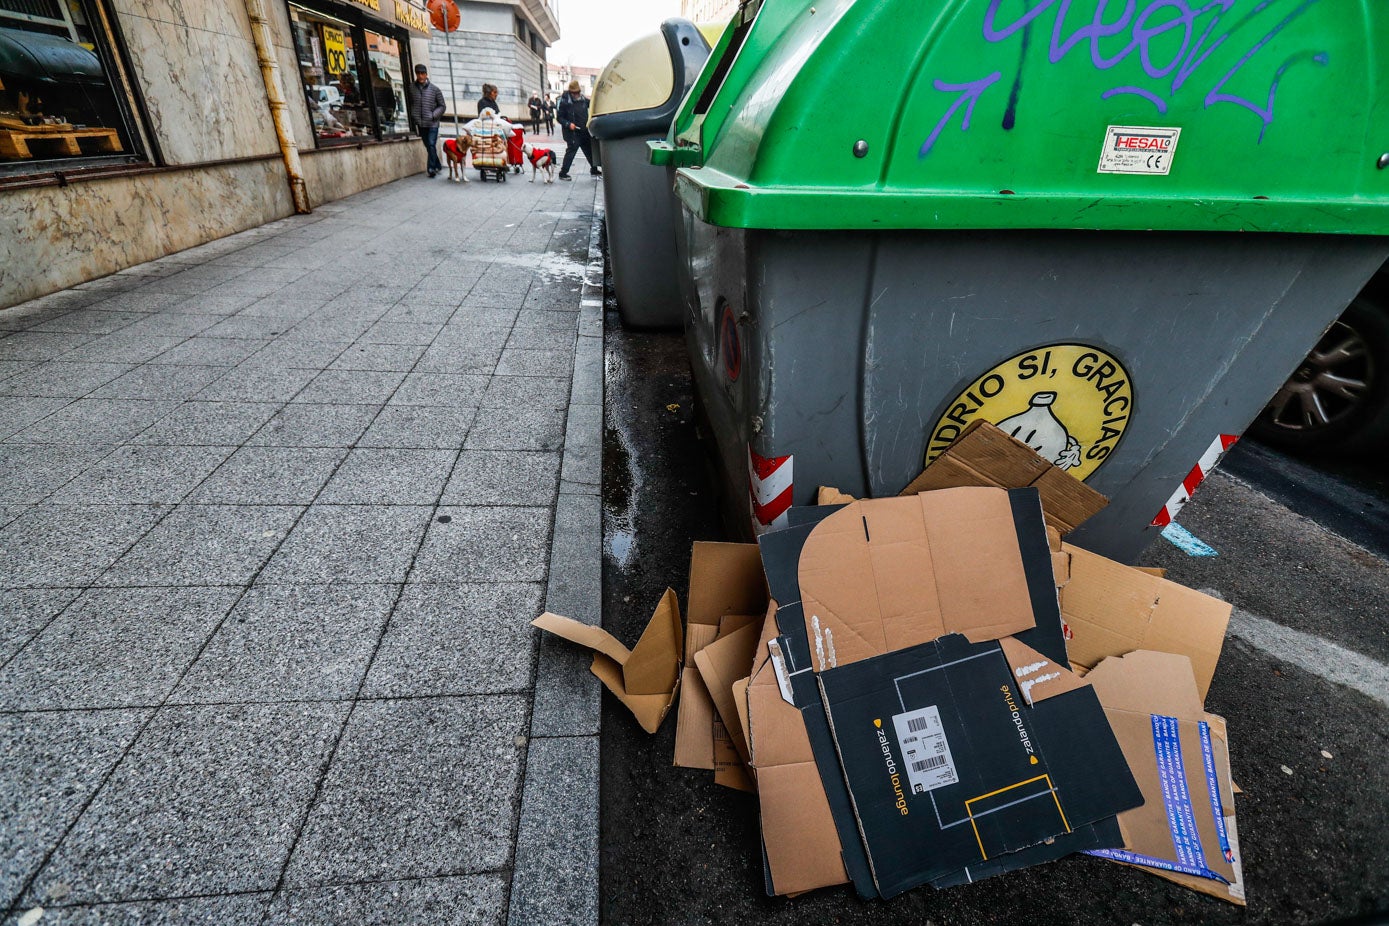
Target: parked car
(1338, 398)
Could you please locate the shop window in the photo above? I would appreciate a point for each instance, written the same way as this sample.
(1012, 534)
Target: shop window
(337, 88)
(61, 104)
(388, 84)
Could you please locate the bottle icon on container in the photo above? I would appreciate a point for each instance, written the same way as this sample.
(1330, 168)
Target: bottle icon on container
(1039, 428)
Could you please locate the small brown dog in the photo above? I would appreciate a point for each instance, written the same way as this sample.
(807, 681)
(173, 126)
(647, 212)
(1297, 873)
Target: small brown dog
(456, 153)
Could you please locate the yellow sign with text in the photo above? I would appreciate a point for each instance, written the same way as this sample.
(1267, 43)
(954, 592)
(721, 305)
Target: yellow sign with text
(1069, 402)
(334, 50)
(411, 17)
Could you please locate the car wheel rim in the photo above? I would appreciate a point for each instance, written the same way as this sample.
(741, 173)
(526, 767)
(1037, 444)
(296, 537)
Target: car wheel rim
(1328, 386)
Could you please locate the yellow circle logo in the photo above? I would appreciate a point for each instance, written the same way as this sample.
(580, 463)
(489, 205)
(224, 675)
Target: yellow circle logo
(1069, 402)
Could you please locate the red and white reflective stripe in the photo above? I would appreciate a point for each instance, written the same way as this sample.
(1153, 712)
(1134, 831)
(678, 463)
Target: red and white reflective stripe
(770, 488)
(1193, 479)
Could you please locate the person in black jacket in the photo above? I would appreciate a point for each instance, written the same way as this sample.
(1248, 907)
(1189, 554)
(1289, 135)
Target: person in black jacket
(426, 109)
(536, 106)
(573, 119)
(489, 100)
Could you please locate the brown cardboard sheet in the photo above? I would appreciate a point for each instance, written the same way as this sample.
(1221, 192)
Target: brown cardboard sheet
(644, 678)
(1111, 609)
(1133, 689)
(885, 574)
(985, 456)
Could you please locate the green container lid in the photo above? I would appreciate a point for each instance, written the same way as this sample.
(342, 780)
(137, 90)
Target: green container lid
(1211, 115)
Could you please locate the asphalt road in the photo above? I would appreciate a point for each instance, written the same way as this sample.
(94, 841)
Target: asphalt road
(1312, 756)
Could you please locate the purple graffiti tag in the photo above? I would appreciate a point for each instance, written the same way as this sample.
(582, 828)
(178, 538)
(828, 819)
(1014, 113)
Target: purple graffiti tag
(1148, 95)
(969, 93)
(1265, 113)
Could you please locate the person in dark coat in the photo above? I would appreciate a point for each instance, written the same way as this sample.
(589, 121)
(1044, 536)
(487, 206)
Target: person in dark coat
(549, 110)
(537, 109)
(489, 100)
(426, 109)
(573, 119)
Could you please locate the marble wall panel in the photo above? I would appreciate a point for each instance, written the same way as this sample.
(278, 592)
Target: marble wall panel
(196, 66)
(332, 174)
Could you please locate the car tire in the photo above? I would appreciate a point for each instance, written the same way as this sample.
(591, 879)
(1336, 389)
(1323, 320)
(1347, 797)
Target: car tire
(1338, 398)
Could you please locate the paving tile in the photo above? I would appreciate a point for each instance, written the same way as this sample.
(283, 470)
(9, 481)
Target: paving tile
(301, 355)
(206, 802)
(462, 900)
(41, 345)
(18, 412)
(517, 428)
(521, 391)
(422, 426)
(473, 357)
(227, 909)
(503, 477)
(159, 382)
(551, 362)
(270, 476)
(70, 545)
(138, 301)
(457, 639)
(221, 304)
(363, 356)
(349, 542)
(306, 425)
(143, 474)
(10, 368)
(123, 647)
(418, 788)
(31, 473)
(248, 326)
(58, 378)
(94, 421)
(85, 321)
(539, 319)
(25, 612)
(291, 642)
(331, 327)
(203, 424)
(168, 324)
(123, 348)
(468, 331)
(485, 545)
(200, 351)
(455, 389)
(559, 338)
(205, 545)
(420, 313)
(351, 387)
(394, 332)
(50, 763)
(389, 477)
(248, 384)
(557, 844)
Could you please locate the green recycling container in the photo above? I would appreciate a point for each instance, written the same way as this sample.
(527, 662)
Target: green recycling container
(1114, 229)
(634, 100)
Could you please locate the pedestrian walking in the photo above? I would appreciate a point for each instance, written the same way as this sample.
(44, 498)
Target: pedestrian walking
(549, 114)
(537, 108)
(488, 100)
(573, 119)
(426, 109)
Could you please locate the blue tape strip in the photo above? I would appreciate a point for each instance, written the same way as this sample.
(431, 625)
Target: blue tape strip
(1186, 541)
(1176, 796)
(1213, 786)
(1136, 858)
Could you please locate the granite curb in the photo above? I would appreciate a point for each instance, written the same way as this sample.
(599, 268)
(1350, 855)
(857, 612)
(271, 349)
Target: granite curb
(555, 876)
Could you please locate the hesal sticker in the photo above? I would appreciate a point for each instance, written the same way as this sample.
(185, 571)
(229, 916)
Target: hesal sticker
(1136, 149)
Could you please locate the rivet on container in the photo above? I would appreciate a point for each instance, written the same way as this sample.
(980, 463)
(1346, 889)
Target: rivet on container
(1383, 161)
(861, 149)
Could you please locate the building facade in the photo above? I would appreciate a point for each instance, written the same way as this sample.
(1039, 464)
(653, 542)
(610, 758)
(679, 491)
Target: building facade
(559, 76)
(131, 129)
(708, 11)
(501, 42)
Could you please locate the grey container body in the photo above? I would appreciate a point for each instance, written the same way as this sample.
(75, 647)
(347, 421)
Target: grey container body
(853, 344)
(641, 216)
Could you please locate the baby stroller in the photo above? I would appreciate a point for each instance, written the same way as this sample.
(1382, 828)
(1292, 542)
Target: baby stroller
(513, 149)
(490, 134)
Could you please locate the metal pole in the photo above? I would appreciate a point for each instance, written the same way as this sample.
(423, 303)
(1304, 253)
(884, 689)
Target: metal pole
(279, 115)
(448, 45)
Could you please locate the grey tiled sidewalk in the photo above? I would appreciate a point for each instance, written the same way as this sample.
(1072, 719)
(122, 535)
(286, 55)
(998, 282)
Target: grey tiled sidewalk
(275, 514)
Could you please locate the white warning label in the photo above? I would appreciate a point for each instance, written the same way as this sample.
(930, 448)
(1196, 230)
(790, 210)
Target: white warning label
(1134, 149)
(924, 749)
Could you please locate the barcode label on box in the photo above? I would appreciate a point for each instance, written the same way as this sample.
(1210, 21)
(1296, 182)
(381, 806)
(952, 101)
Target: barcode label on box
(925, 750)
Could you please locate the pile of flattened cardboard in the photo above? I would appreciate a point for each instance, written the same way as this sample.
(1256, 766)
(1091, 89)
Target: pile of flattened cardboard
(936, 688)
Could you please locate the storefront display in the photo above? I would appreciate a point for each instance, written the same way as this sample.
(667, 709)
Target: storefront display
(59, 100)
(353, 68)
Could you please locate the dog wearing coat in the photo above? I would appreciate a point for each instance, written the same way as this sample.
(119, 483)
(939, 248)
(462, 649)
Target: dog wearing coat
(541, 159)
(456, 153)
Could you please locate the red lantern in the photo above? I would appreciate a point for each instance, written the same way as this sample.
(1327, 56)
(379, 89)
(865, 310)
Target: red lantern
(444, 15)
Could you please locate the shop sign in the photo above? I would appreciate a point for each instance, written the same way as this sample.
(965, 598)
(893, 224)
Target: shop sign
(411, 16)
(370, 4)
(334, 50)
(1069, 402)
